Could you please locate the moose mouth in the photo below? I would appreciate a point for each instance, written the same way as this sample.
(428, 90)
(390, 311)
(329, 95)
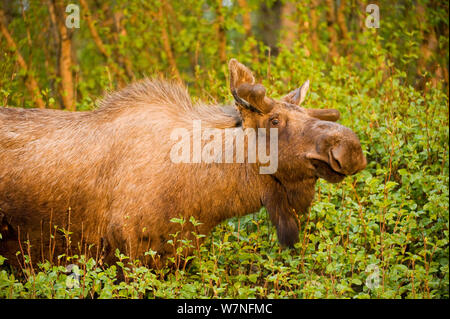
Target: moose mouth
(325, 171)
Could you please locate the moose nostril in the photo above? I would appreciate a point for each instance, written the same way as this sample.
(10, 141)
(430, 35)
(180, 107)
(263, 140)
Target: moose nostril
(335, 160)
(339, 163)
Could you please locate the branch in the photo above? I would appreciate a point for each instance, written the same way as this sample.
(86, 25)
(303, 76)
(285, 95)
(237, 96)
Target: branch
(220, 29)
(30, 81)
(166, 43)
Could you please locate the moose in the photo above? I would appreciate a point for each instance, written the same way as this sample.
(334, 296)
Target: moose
(104, 178)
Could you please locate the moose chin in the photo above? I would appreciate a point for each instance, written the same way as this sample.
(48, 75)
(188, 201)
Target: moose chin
(106, 176)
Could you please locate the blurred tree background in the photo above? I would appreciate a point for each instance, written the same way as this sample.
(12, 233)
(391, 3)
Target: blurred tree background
(46, 64)
(389, 83)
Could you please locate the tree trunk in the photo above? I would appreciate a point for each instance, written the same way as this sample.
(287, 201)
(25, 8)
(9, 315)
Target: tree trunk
(95, 36)
(221, 36)
(120, 31)
(269, 24)
(340, 18)
(247, 24)
(429, 51)
(166, 43)
(288, 24)
(313, 16)
(65, 59)
(246, 21)
(99, 42)
(30, 81)
(333, 53)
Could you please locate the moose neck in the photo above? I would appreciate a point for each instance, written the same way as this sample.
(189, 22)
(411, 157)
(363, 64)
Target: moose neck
(227, 189)
(239, 184)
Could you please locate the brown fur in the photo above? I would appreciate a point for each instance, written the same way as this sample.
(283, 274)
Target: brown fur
(106, 175)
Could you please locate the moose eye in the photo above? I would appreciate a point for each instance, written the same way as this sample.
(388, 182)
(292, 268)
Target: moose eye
(275, 122)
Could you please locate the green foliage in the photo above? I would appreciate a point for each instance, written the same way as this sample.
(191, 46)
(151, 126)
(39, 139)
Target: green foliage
(388, 225)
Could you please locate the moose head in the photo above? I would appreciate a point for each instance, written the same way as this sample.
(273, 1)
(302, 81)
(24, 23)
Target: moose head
(311, 143)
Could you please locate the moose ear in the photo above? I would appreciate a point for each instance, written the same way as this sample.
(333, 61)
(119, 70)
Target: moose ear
(239, 74)
(298, 95)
